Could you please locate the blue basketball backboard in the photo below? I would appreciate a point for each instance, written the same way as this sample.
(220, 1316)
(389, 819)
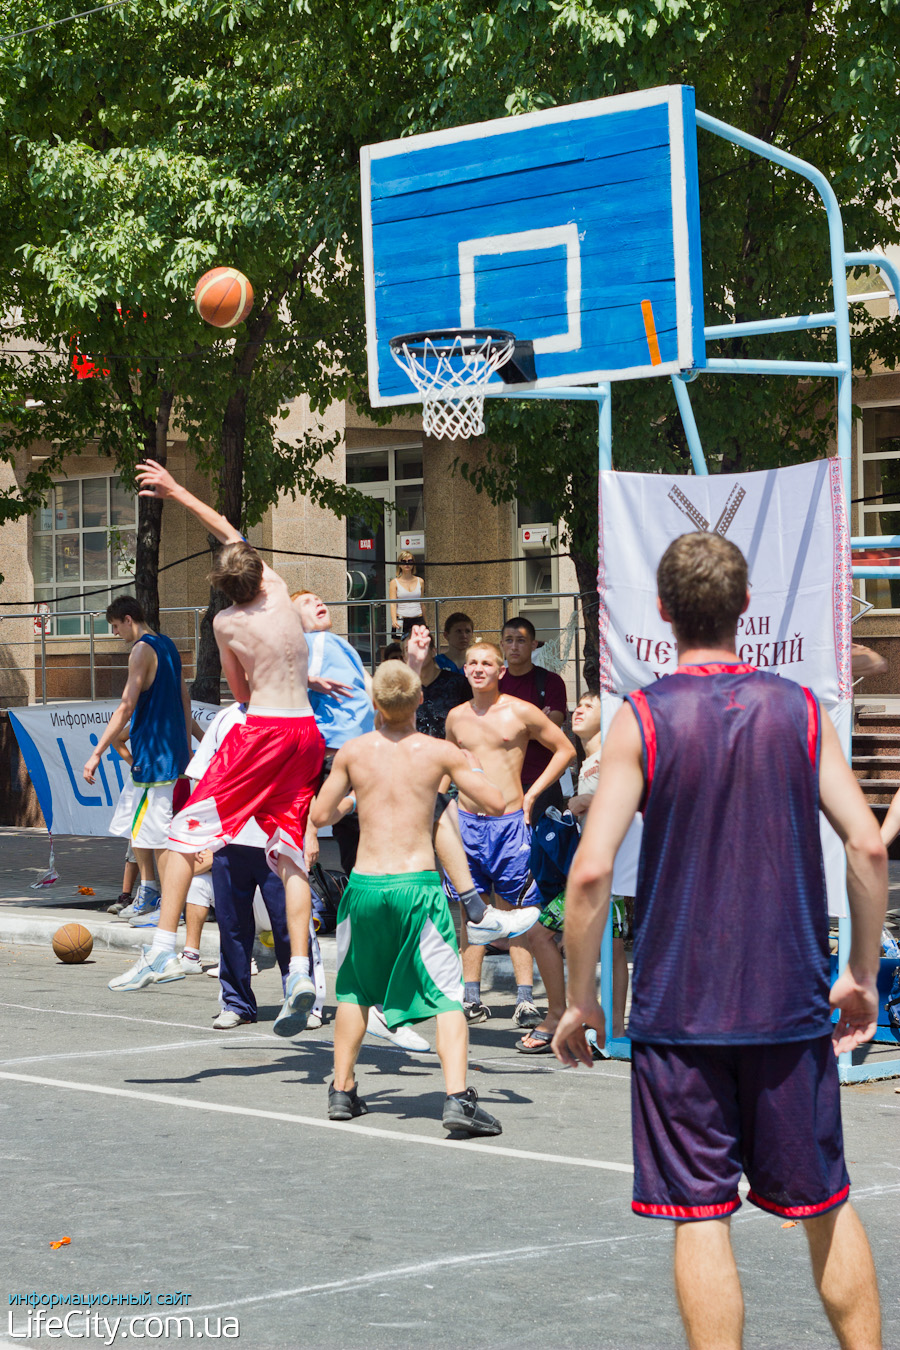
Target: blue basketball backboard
(576, 228)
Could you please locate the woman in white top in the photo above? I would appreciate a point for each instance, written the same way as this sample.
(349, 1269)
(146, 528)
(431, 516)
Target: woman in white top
(405, 591)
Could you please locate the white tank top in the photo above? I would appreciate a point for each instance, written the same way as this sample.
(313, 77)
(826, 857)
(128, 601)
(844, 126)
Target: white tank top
(409, 609)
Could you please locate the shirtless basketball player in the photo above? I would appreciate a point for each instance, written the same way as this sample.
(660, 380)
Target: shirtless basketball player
(267, 769)
(395, 936)
(496, 728)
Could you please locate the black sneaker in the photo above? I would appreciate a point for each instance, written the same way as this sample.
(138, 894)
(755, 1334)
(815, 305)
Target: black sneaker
(345, 1105)
(476, 1012)
(464, 1113)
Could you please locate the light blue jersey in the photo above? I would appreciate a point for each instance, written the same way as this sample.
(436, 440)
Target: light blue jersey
(338, 717)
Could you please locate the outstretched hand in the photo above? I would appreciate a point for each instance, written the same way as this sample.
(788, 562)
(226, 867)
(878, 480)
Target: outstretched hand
(857, 1004)
(323, 685)
(569, 1044)
(154, 480)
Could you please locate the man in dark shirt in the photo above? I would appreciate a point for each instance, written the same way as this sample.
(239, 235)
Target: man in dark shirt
(522, 679)
(441, 691)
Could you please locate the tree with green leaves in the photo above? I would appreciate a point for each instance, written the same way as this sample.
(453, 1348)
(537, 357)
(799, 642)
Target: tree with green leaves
(823, 82)
(179, 135)
(151, 141)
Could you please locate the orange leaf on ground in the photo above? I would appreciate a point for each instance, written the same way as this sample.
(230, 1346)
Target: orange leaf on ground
(791, 1223)
(63, 1242)
(85, 890)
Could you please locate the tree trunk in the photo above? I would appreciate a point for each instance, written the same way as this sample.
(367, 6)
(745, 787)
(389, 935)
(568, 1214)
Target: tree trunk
(149, 528)
(207, 684)
(586, 572)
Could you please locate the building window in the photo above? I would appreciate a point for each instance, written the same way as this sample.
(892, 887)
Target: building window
(83, 539)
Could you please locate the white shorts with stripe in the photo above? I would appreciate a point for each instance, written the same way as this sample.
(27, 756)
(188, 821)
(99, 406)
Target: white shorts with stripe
(144, 813)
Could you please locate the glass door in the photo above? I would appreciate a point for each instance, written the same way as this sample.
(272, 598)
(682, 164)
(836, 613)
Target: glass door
(367, 624)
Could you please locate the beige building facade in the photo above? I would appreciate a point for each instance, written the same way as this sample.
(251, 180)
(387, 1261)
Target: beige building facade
(82, 541)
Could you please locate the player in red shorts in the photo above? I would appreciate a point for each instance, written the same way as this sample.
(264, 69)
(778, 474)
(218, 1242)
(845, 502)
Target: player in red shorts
(267, 769)
(733, 1049)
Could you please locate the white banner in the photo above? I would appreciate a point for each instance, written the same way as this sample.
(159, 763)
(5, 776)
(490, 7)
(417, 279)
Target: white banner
(55, 741)
(791, 526)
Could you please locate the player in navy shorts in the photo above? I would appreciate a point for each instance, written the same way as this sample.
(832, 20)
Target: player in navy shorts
(733, 1045)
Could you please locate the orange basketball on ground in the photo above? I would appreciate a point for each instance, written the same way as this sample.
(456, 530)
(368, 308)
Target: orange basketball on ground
(72, 943)
(223, 296)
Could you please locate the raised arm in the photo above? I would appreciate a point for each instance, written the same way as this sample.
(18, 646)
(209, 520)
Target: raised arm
(620, 784)
(841, 799)
(548, 734)
(155, 481)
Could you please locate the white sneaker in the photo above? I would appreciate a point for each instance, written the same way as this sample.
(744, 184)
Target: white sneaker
(228, 1019)
(313, 1022)
(212, 971)
(502, 923)
(191, 964)
(404, 1038)
(162, 969)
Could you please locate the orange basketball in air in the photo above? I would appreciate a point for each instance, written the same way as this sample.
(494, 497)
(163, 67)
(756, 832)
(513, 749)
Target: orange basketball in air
(72, 943)
(223, 296)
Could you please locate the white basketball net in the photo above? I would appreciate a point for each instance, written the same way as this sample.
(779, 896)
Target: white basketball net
(452, 377)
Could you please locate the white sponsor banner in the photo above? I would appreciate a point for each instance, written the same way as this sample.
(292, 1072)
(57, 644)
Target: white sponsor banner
(56, 741)
(791, 526)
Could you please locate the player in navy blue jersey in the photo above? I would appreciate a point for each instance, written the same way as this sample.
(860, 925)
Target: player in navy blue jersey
(733, 1047)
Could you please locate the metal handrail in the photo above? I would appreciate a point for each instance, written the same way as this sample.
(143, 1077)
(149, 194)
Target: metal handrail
(507, 598)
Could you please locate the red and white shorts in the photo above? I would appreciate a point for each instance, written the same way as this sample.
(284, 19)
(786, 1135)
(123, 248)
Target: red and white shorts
(268, 769)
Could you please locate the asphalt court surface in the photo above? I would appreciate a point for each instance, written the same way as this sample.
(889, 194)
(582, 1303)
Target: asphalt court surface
(178, 1158)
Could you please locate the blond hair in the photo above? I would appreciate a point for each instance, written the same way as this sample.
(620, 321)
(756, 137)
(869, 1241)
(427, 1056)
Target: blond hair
(237, 572)
(487, 647)
(396, 690)
(406, 557)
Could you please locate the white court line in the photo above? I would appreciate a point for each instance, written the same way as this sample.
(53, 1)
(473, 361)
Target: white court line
(111, 1054)
(267, 1036)
(426, 1268)
(395, 1136)
(113, 1017)
(510, 1254)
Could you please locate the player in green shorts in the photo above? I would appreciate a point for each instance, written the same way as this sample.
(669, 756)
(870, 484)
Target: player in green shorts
(396, 940)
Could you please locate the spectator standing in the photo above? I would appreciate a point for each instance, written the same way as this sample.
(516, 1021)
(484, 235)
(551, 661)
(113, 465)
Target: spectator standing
(523, 679)
(405, 590)
(458, 634)
(442, 690)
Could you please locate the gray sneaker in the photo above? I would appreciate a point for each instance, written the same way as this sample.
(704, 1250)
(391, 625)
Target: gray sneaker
(119, 906)
(527, 1015)
(464, 1114)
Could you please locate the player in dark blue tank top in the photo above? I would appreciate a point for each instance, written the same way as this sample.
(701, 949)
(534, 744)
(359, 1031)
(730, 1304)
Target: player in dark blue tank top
(731, 759)
(733, 1069)
(159, 744)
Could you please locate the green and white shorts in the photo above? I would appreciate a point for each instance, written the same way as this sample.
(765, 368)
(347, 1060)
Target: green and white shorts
(553, 915)
(396, 946)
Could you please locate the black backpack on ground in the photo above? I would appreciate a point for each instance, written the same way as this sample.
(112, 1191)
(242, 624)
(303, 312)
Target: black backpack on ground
(327, 887)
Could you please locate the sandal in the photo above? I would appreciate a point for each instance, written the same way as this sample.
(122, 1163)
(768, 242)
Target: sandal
(543, 1039)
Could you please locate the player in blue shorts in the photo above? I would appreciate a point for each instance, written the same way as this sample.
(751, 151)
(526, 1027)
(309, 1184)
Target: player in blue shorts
(497, 729)
(733, 1047)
